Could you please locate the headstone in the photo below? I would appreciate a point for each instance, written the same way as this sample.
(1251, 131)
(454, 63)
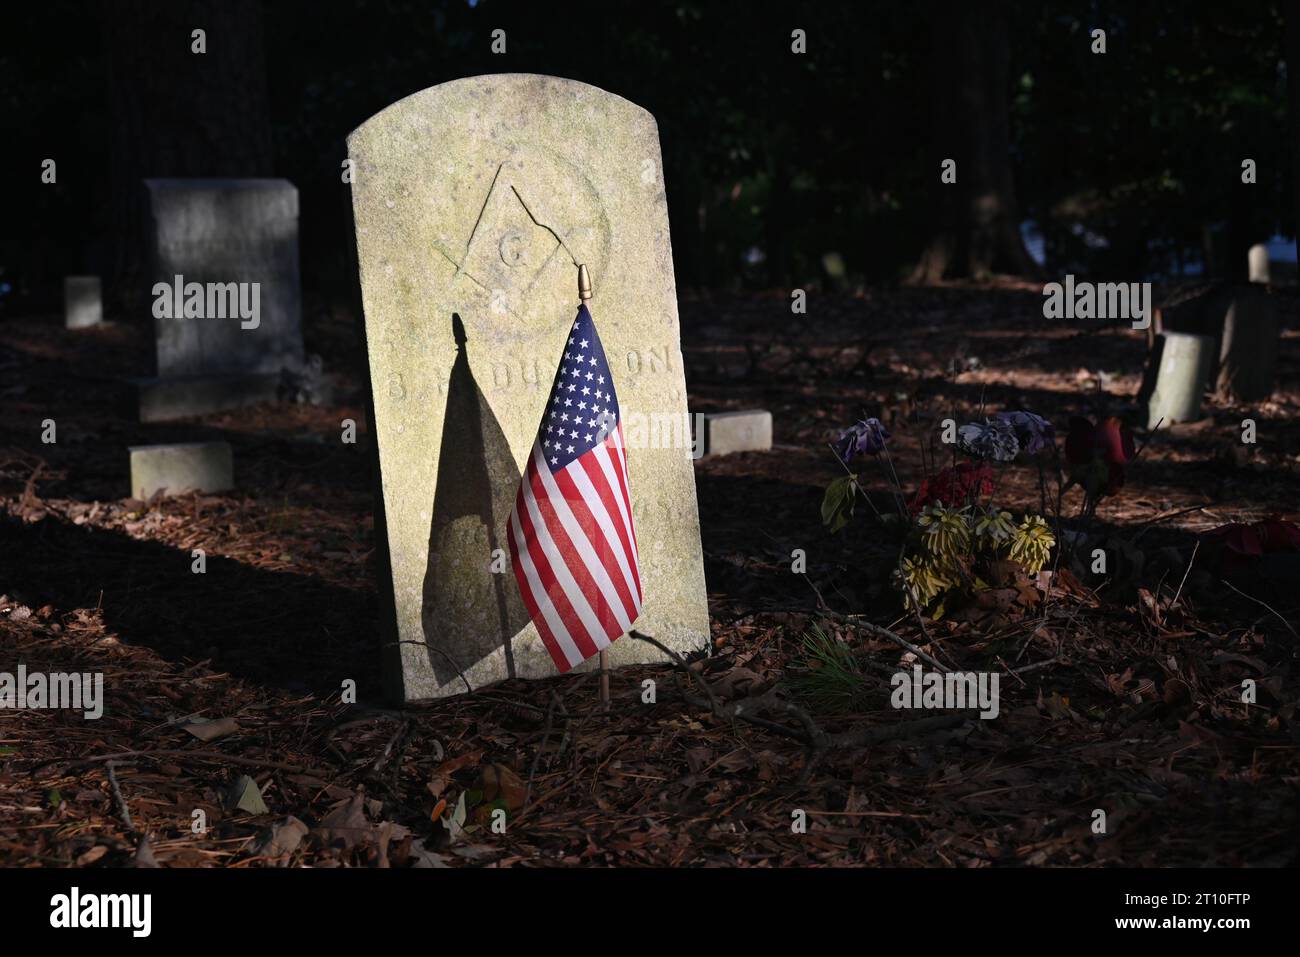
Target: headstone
(226, 249)
(727, 432)
(473, 201)
(181, 467)
(1257, 263)
(836, 271)
(1248, 355)
(1184, 365)
(83, 305)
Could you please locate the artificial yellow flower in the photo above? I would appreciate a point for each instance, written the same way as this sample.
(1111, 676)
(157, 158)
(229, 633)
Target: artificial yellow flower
(994, 529)
(920, 581)
(1032, 543)
(945, 535)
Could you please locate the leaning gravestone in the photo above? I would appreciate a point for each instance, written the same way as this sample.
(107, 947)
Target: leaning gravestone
(225, 293)
(473, 201)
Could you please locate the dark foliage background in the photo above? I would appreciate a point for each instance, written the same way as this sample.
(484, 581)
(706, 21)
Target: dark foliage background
(773, 160)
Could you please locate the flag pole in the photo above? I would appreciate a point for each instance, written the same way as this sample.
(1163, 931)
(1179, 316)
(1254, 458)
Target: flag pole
(584, 294)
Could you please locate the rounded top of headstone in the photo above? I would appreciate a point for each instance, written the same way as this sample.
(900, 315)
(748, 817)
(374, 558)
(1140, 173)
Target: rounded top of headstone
(524, 93)
(260, 198)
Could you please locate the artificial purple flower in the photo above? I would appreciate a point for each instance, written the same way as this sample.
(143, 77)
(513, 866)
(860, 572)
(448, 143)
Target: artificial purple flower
(1033, 431)
(994, 439)
(866, 437)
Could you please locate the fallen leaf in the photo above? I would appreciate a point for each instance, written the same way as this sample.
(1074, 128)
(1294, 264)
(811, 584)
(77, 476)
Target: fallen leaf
(144, 855)
(1177, 692)
(697, 759)
(499, 783)
(738, 760)
(476, 852)
(245, 795)
(424, 857)
(92, 855)
(738, 682)
(346, 823)
(441, 776)
(1055, 705)
(211, 730)
(281, 839)
(455, 822)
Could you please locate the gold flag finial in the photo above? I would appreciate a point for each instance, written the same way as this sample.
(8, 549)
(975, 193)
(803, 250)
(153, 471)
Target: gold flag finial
(584, 283)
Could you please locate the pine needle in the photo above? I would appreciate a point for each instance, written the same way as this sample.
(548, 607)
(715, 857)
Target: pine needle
(828, 677)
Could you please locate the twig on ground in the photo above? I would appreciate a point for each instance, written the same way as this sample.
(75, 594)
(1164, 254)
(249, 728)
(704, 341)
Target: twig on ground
(445, 657)
(215, 756)
(144, 856)
(398, 735)
(117, 797)
(821, 600)
(29, 498)
(1033, 667)
(880, 632)
(929, 638)
(546, 736)
(1191, 561)
(876, 629)
(1144, 527)
(1265, 604)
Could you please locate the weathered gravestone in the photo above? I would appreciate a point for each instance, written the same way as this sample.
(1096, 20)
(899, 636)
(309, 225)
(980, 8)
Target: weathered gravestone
(1257, 263)
(472, 201)
(229, 319)
(1184, 364)
(1248, 354)
(728, 432)
(83, 304)
(181, 467)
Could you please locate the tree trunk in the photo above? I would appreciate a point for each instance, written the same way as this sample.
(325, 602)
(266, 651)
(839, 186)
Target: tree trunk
(177, 113)
(976, 229)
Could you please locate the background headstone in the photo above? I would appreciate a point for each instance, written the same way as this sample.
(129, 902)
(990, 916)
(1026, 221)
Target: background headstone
(83, 304)
(727, 432)
(1184, 365)
(223, 231)
(1248, 355)
(1257, 263)
(181, 467)
(472, 202)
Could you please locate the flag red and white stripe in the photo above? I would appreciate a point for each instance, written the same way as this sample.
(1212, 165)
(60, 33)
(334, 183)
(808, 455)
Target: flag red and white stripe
(572, 537)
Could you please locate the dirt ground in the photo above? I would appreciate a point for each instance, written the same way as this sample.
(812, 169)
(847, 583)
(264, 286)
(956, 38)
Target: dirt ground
(1126, 699)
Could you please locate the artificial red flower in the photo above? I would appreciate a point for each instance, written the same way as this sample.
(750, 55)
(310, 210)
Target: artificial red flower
(1257, 538)
(1237, 546)
(1279, 535)
(1237, 537)
(954, 486)
(1098, 453)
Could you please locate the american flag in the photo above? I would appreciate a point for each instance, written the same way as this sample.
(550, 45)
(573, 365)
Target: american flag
(572, 541)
